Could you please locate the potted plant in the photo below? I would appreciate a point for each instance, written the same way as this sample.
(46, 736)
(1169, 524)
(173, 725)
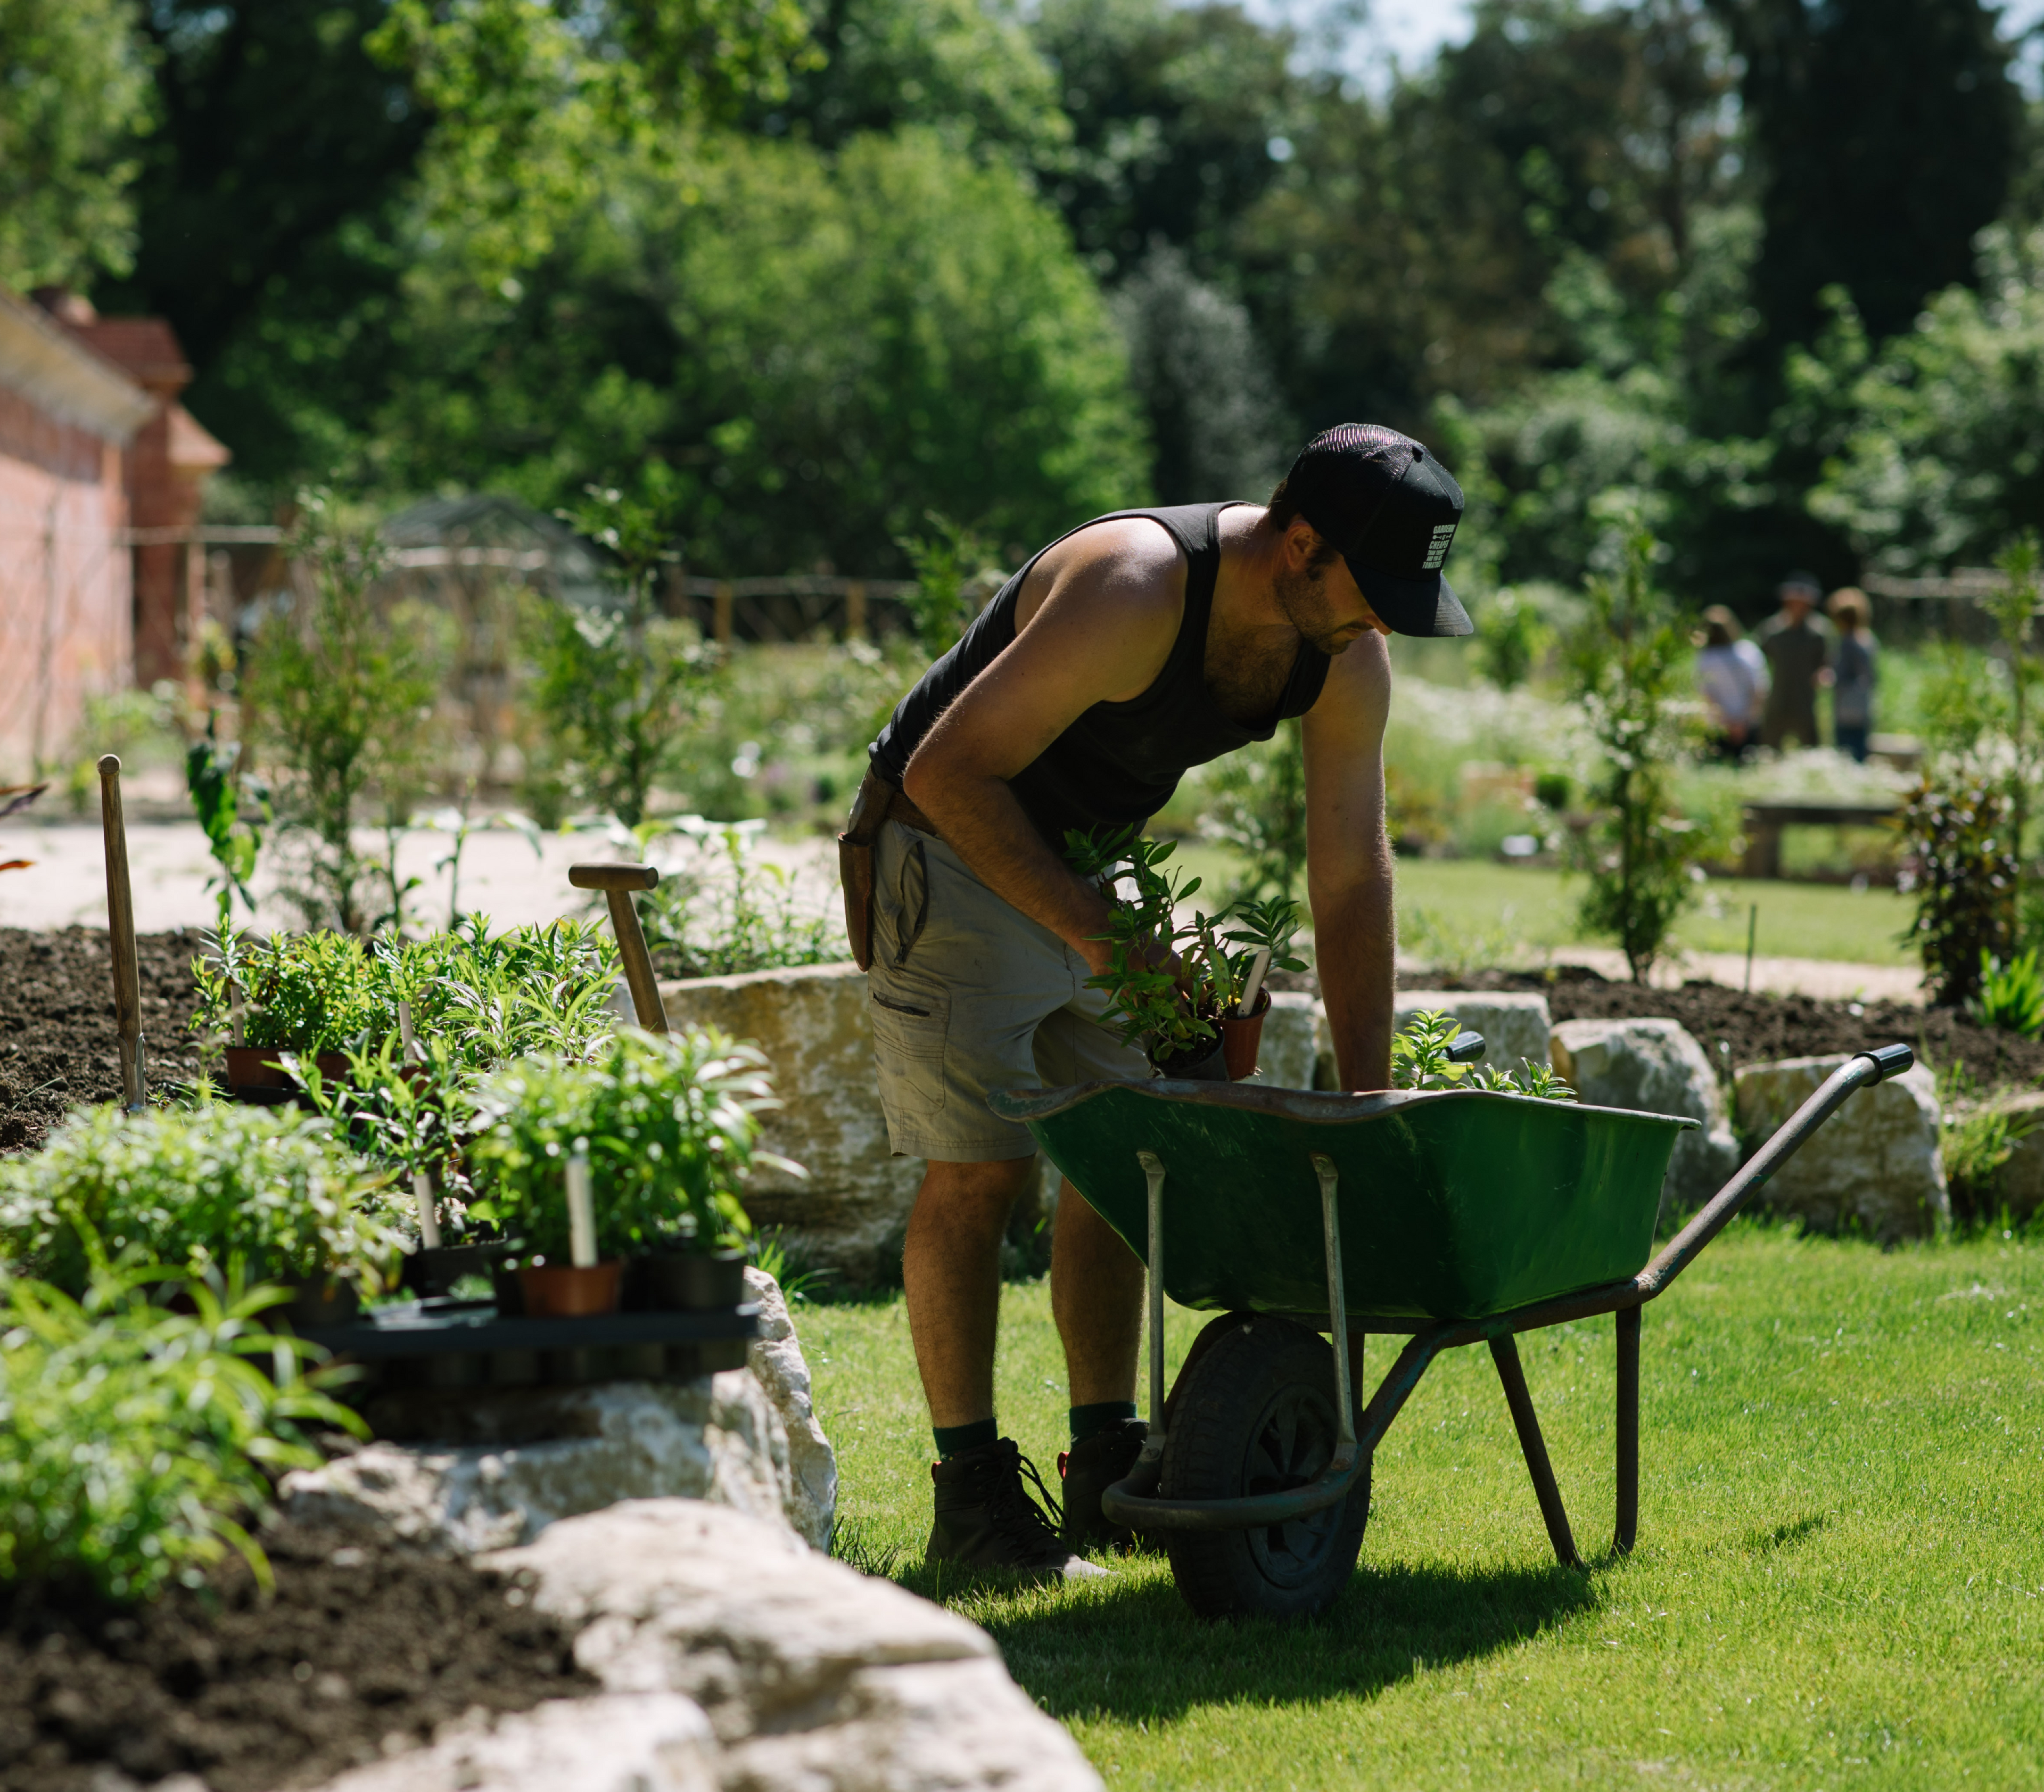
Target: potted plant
(306, 994)
(1175, 987)
(214, 1188)
(669, 1124)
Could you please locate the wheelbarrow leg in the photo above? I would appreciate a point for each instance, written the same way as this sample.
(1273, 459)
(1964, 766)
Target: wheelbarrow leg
(1505, 1352)
(1628, 1428)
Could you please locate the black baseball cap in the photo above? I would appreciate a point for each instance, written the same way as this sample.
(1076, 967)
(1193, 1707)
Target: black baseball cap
(1390, 509)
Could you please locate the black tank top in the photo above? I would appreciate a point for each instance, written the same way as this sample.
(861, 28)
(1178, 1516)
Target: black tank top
(1118, 762)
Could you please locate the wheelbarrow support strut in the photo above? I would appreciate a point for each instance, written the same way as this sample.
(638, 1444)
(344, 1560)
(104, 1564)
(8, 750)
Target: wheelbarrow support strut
(1134, 1500)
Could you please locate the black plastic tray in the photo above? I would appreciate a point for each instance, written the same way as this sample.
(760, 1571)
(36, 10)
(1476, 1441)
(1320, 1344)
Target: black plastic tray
(444, 1327)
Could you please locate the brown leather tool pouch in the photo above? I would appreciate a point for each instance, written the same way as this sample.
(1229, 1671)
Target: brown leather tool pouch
(855, 865)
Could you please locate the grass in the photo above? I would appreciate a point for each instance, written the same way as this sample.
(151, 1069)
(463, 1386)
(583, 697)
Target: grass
(1537, 909)
(1839, 1582)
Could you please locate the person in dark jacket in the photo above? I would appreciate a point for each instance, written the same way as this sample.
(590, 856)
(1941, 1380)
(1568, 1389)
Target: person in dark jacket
(1797, 645)
(1852, 671)
(1138, 646)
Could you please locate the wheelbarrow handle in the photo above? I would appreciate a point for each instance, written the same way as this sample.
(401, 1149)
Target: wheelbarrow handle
(1861, 1071)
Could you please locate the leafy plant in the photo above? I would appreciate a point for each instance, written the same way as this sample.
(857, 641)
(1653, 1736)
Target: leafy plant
(341, 689)
(670, 1124)
(1628, 667)
(2011, 995)
(304, 992)
(1419, 1060)
(1513, 639)
(196, 1190)
(1977, 1137)
(1256, 804)
(1170, 983)
(1960, 865)
(949, 563)
(233, 807)
(617, 687)
(135, 1440)
(720, 909)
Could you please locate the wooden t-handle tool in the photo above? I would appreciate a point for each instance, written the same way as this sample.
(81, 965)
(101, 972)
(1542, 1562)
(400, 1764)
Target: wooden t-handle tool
(617, 882)
(120, 936)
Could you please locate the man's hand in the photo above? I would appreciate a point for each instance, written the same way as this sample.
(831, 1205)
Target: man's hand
(1096, 625)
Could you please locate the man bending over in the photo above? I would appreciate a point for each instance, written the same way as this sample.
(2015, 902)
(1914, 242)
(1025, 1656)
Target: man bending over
(1141, 644)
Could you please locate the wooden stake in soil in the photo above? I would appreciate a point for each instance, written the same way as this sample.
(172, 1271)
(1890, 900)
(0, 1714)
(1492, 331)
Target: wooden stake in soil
(617, 882)
(120, 936)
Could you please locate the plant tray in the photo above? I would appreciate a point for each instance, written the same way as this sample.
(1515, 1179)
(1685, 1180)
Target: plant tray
(446, 1344)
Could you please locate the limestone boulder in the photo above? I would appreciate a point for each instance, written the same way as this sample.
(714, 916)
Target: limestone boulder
(641, 1742)
(813, 1678)
(1654, 1067)
(850, 1210)
(775, 1359)
(1514, 1023)
(514, 1461)
(1876, 1162)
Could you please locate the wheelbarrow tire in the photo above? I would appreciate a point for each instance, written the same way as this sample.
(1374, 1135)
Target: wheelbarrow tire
(1253, 1413)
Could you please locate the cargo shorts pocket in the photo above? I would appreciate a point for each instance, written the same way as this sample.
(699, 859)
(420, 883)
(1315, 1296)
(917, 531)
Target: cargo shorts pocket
(908, 1036)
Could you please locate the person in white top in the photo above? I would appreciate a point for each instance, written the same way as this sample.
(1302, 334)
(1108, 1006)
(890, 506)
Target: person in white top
(1732, 676)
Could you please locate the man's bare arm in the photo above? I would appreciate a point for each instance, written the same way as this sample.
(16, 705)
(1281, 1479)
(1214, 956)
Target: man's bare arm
(1348, 861)
(1101, 634)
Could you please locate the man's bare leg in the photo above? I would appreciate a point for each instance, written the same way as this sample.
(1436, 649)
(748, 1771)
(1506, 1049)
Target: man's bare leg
(1096, 1299)
(950, 1266)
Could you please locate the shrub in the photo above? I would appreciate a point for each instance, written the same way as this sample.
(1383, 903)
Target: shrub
(299, 992)
(196, 1190)
(670, 1124)
(1513, 639)
(341, 690)
(1628, 664)
(1960, 865)
(1257, 804)
(134, 1440)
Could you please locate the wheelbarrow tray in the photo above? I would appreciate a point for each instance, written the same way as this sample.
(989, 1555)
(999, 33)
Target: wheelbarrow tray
(1454, 1204)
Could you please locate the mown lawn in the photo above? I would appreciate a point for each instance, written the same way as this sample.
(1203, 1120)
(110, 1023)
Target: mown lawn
(1840, 1580)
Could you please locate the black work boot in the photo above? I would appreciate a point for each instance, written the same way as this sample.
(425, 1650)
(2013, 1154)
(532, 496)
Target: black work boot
(986, 1517)
(1087, 1469)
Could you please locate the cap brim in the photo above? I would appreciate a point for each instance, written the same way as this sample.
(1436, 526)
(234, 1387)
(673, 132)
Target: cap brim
(1413, 606)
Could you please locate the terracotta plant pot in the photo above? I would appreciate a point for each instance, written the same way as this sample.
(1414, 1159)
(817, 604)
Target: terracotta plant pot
(1241, 1035)
(255, 1067)
(1203, 1063)
(694, 1281)
(560, 1291)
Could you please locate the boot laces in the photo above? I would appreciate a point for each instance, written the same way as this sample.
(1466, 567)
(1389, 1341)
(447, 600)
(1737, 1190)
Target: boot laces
(1012, 1507)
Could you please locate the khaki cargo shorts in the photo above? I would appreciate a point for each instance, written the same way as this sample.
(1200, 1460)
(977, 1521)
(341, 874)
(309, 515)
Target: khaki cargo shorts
(967, 995)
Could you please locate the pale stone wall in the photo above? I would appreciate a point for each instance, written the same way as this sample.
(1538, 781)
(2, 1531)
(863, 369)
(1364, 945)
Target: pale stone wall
(812, 1025)
(1876, 1161)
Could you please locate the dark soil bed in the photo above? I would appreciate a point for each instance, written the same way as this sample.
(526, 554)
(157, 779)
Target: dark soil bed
(362, 1641)
(1749, 1029)
(56, 1023)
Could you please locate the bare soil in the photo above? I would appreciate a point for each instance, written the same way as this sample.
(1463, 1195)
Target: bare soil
(364, 1648)
(57, 1048)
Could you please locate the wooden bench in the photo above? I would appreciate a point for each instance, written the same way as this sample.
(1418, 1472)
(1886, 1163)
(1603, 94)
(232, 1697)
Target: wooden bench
(1764, 821)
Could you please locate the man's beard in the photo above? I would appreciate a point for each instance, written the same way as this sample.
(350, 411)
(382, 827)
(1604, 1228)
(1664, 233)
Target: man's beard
(1303, 596)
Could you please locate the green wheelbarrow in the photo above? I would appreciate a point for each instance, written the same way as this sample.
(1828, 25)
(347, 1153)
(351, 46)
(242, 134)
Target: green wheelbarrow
(1459, 1217)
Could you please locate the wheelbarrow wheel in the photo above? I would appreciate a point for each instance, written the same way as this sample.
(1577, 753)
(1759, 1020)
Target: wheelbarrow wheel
(1254, 1412)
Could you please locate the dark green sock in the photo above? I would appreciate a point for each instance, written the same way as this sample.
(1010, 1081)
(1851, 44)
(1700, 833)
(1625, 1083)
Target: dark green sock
(955, 1439)
(1089, 1422)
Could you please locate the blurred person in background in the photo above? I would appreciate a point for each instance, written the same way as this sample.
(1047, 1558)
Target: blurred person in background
(1852, 672)
(1797, 643)
(1731, 674)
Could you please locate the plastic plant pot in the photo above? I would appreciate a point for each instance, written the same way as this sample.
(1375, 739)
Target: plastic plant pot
(559, 1291)
(695, 1281)
(1241, 1037)
(1203, 1063)
(323, 1300)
